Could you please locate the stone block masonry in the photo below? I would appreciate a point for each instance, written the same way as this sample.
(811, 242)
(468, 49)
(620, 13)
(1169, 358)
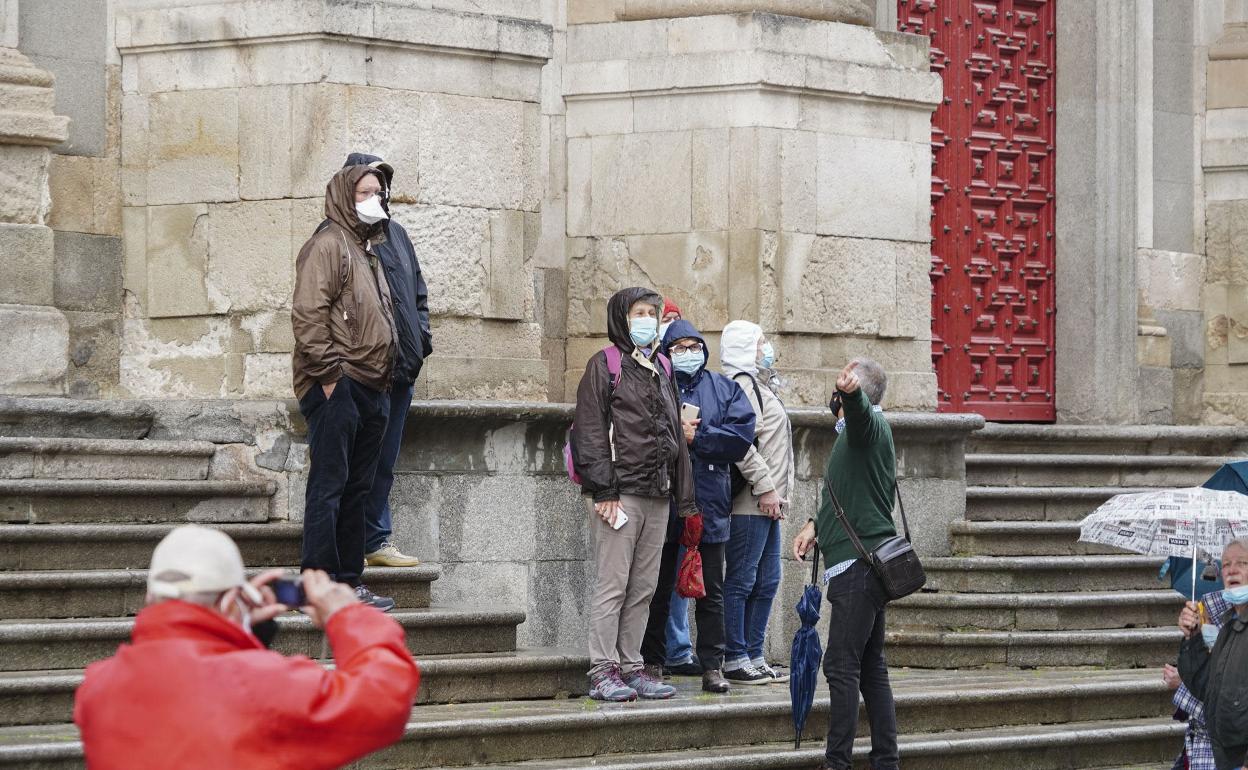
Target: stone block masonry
(739, 163)
(234, 116)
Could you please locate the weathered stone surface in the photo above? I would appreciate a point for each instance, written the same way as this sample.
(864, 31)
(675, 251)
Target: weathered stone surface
(193, 147)
(859, 177)
(88, 272)
(94, 354)
(267, 375)
(1185, 329)
(454, 254)
(478, 152)
(176, 244)
(183, 356)
(639, 183)
(249, 266)
(33, 350)
(486, 378)
(24, 173)
(26, 260)
(265, 149)
(825, 291)
(1171, 280)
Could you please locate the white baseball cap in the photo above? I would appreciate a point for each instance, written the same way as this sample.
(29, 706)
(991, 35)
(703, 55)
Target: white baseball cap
(196, 560)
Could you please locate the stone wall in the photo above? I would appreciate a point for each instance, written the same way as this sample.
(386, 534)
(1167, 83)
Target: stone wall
(739, 165)
(480, 489)
(1225, 290)
(233, 117)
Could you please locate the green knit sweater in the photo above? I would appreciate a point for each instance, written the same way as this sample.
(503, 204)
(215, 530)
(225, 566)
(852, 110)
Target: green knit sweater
(863, 470)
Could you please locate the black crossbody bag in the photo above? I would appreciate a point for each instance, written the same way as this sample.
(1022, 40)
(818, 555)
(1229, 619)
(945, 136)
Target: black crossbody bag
(894, 561)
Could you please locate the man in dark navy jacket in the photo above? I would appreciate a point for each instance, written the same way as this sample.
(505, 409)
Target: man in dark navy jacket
(722, 434)
(411, 317)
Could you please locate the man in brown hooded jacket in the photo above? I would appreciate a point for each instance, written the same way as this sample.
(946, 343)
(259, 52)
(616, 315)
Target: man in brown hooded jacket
(345, 343)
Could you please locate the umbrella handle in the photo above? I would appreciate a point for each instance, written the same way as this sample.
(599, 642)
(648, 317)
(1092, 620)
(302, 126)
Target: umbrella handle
(814, 568)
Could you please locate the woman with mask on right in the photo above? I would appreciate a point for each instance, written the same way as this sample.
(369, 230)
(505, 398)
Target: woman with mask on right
(753, 556)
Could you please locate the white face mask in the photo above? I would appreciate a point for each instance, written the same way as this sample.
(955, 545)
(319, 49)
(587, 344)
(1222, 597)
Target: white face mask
(370, 211)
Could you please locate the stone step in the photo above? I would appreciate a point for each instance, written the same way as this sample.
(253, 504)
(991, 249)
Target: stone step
(1071, 611)
(1109, 440)
(105, 593)
(1031, 574)
(1090, 470)
(121, 546)
(31, 501)
(1022, 538)
(927, 702)
(1115, 648)
(1038, 503)
(78, 458)
(73, 418)
(1086, 745)
(47, 697)
(37, 645)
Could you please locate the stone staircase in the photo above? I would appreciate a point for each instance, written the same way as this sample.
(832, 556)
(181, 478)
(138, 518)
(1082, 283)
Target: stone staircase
(79, 517)
(1058, 643)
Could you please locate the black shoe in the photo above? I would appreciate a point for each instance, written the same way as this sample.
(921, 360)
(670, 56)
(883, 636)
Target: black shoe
(689, 668)
(383, 603)
(713, 681)
(747, 674)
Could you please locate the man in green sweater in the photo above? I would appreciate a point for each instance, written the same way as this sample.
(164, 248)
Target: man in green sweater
(862, 471)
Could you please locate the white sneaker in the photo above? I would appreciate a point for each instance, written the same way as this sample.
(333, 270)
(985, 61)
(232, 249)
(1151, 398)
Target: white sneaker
(389, 555)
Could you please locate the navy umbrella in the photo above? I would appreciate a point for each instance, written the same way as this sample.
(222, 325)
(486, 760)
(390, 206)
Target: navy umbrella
(1232, 477)
(807, 653)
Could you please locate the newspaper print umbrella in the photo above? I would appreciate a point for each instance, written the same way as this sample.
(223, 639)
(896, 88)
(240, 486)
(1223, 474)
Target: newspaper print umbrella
(1169, 522)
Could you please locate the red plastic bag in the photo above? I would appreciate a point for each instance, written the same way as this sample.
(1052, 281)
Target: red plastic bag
(689, 581)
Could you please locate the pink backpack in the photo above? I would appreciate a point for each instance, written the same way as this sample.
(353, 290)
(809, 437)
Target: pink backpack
(615, 369)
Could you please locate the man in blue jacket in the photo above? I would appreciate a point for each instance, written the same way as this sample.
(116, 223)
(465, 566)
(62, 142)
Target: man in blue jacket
(720, 435)
(411, 319)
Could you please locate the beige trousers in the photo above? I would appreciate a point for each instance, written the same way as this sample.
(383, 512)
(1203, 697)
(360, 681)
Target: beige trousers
(628, 570)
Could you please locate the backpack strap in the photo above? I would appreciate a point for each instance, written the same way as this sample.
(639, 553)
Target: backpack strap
(614, 364)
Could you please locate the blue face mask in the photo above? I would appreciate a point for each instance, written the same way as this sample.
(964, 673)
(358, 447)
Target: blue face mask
(1236, 595)
(643, 331)
(769, 356)
(1210, 633)
(688, 362)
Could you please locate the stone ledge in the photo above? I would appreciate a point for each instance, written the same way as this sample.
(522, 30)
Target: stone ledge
(844, 11)
(214, 23)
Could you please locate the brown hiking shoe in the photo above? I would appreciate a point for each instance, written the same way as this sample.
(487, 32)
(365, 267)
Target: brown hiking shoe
(713, 681)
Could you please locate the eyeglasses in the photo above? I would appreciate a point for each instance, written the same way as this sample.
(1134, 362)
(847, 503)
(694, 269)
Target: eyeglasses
(692, 347)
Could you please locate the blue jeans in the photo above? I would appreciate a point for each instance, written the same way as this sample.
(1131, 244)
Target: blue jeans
(679, 648)
(377, 507)
(753, 577)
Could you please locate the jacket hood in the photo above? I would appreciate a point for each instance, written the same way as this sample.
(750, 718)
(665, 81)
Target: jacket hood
(340, 201)
(372, 161)
(682, 329)
(617, 313)
(738, 347)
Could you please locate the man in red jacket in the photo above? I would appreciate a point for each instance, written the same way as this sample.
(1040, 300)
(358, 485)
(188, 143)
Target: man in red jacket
(196, 689)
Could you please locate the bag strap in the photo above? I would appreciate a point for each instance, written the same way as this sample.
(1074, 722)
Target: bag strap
(905, 526)
(614, 364)
(840, 516)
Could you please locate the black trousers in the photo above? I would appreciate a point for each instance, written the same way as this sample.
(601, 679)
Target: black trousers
(344, 442)
(854, 662)
(708, 611)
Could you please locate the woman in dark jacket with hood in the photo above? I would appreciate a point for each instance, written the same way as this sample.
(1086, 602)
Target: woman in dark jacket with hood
(628, 449)
(721, 435)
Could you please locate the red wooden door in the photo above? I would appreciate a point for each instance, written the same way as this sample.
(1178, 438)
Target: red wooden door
(992, 204)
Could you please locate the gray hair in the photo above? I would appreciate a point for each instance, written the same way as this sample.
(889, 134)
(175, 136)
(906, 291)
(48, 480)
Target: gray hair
(1242, 542)
(871, 378)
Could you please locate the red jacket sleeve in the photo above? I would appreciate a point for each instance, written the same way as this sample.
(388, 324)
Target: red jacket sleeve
(363, 704)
